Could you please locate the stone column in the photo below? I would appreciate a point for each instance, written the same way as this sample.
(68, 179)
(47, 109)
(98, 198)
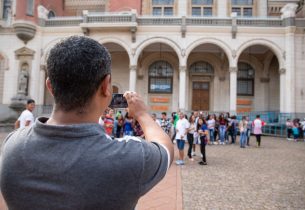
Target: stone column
(182, 87)
(222, 7)
(288, 16)
(132, 78)
(182, 8)
(262, 8)
(233, 89)
(282, 89)
(290, 72)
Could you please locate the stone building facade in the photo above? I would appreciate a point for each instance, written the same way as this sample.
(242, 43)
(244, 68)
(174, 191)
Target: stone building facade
(212, 55)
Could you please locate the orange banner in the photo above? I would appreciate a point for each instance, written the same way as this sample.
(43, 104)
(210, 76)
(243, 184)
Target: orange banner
(159, 100)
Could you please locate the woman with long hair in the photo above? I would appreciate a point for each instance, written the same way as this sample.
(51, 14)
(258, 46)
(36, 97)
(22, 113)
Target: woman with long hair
(202, 129)
(190, 136)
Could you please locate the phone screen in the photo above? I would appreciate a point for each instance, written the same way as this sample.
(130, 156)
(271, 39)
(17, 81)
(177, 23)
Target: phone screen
(118, 101)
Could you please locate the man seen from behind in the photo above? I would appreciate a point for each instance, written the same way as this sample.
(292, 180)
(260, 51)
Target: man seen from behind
(67, 161)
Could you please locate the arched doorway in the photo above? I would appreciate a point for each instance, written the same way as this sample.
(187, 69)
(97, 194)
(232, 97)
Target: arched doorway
(201, 89)
(208, 78)
(157, 77)
(119, 67)
(258, 81)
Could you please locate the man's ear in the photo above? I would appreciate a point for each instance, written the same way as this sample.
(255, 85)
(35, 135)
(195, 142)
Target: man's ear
(106, 88)
(49, 86)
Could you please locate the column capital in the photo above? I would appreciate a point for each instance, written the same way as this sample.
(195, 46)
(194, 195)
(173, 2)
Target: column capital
(182, 68)
(233, 69)
(133, 67)
(282, 71)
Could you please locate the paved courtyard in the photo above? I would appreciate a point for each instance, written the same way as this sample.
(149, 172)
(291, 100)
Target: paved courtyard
(270, 177)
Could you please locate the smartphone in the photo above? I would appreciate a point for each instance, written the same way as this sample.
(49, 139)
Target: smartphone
(118, 101)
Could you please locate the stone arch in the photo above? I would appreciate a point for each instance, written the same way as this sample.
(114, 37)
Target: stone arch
(155, 40)
(3, 67)
(252, 61)
(119, 42)
(222, 45)
(279, 53)
(150, 59)
(120, 89)
(211, 59)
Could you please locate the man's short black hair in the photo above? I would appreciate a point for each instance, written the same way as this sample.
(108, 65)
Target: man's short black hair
(76, 66)
(164, 113)
(30, 101)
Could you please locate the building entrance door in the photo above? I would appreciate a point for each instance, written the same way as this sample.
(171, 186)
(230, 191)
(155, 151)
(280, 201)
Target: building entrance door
(201, 96)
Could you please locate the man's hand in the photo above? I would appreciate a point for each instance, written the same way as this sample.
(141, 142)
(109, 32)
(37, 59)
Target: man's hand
(152, 131)
(136, 105)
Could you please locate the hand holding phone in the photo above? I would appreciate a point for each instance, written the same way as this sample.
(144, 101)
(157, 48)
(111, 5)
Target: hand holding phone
(118, 101)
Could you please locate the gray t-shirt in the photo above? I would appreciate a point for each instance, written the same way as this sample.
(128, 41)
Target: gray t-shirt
(77, 167)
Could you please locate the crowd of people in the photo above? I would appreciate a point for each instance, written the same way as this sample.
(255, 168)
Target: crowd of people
(295, 129)
(198, 128)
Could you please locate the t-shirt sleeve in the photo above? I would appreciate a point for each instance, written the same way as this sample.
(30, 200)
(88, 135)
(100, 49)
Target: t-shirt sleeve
(28, 117)
(155, 165)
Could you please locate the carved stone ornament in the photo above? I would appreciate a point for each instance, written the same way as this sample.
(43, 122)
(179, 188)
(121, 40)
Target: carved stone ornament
(282, 71)
(24, 52)
(233, 69)
(25, 31)
(289, 10)
(183, 52)
(182, 68)
(234, 53)
(133, 68)
(222, 78)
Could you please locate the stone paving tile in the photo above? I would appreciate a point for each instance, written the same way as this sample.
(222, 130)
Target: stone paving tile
(270, 177)
(167, 195)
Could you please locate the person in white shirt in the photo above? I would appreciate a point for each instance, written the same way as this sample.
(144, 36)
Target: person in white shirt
(154, 116)
(181, 136)
(26, 118)
(211, 127)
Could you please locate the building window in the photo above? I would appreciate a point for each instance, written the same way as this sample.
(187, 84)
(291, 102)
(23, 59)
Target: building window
(6, 9)
(115, 89)
(160, 76)
(51, 14)
(242, 7)
(163, 7)
(30, 7)
(202, 7)
(242, 2)
(245, 80)
(202, 67)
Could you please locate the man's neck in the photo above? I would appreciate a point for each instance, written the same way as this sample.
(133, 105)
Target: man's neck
(60, 117)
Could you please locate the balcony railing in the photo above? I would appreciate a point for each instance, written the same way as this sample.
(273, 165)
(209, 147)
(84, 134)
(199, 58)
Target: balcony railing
(110, 18)
(128, 19)
(196, 21)
(257, 22)
(62, 21)
(159, 20)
